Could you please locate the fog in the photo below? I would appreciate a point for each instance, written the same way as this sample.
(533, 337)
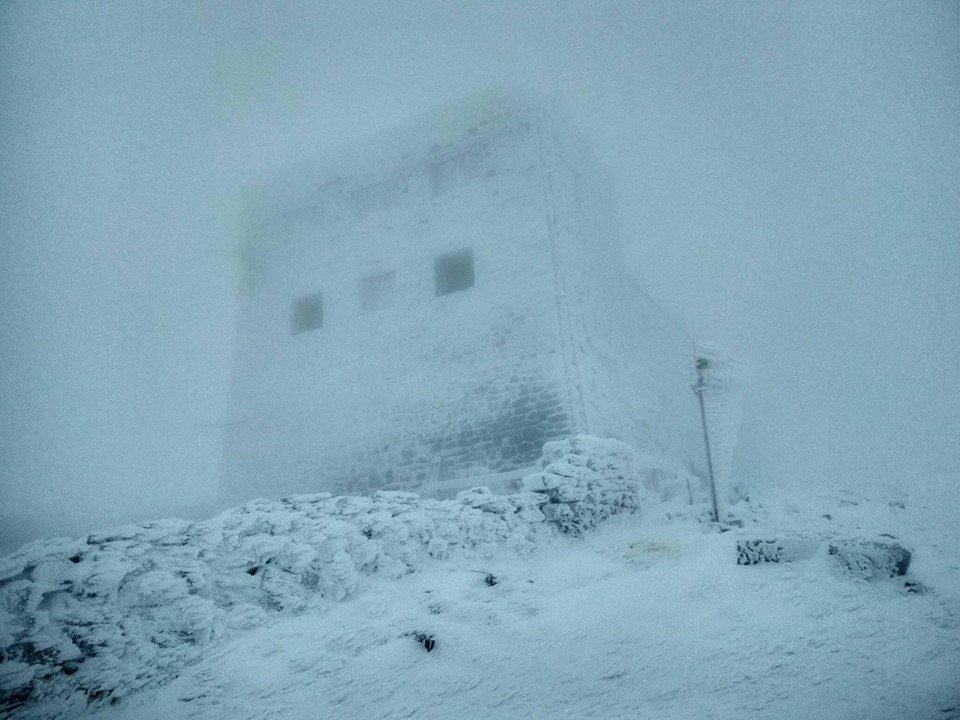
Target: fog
(788, 177)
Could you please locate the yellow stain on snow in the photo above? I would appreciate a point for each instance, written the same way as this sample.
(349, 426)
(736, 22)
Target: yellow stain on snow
(644, 551)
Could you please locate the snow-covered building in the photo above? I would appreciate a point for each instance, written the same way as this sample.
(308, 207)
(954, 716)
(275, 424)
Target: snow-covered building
(435, 304)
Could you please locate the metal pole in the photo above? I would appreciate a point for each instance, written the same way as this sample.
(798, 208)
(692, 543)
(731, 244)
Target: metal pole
(706, 439)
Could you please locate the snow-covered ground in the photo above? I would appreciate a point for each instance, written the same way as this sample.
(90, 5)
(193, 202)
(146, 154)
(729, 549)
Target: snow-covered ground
(646, 615)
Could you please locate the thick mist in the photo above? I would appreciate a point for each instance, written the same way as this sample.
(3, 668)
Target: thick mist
(788, 179)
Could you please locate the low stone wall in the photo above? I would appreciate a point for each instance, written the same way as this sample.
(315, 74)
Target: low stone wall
(91, 620)
(586, 480)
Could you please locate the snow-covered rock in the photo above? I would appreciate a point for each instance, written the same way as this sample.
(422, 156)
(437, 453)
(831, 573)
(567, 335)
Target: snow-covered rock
(871, 559)
(94, 619)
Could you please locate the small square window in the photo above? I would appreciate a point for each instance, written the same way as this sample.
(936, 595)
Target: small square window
(377, 292)
(453, 272)
(306, 313)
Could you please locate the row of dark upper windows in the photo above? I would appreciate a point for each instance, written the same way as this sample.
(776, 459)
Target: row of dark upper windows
(441, 175)
(452, 272)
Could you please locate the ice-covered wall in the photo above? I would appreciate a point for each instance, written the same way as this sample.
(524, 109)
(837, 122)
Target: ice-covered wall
(400, 386)
(632, 362)
(371, 399)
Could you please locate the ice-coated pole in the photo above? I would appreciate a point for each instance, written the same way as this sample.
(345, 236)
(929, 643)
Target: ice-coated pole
(701, 364)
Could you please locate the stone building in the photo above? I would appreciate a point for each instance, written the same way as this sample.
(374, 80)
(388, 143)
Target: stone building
(425, 310)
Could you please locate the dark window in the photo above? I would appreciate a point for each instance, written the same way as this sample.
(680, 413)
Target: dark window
(459, 169)
(307, 313)
(377, 292)
(453, 272)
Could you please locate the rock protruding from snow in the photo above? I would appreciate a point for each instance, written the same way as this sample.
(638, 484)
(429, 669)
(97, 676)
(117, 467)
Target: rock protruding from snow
(871, 559)
(91, 620)
(863, 559)
(753, 551)
(586, 480)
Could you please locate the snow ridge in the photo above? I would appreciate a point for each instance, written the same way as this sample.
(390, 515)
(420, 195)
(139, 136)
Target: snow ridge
(92, 620)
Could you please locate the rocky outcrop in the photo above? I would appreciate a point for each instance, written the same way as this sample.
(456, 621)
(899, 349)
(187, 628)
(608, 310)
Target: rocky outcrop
(91, 620)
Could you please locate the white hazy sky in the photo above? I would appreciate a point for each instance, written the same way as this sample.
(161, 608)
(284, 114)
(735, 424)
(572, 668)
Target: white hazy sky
(789, 183)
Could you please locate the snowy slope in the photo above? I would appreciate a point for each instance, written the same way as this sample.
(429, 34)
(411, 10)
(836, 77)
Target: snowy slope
(644, 615)
(93, 620)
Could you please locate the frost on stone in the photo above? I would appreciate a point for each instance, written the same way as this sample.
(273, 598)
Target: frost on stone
(754, 551)
(16, 679)
(584, 481)
(93, 620)
(871, 559)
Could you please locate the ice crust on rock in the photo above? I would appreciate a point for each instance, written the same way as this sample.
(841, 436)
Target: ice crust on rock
(92, 620)
(753, 551)
(871, 559)
(586, 480)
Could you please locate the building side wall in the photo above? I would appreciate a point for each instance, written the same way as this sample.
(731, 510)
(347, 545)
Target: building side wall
(631, 359)
(370, 400)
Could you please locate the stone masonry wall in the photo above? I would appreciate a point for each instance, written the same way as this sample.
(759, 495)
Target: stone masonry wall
(370, 400)
(553, 338)
(632, 362)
